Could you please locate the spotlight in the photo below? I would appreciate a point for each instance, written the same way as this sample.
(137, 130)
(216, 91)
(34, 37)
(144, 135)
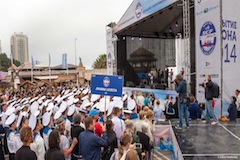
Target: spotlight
(124, 38)
(170, 29)
(132, 38)
(140, 38)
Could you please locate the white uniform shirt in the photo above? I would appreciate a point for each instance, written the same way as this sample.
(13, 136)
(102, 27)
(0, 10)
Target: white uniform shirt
(140, 100)
(119, 127)
(238, 102)
(13, 142)
(38, 147)
(64, 143)
(45, 138)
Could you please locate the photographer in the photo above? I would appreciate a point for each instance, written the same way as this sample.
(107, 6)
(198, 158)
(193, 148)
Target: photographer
(208, 86)
(181, 88)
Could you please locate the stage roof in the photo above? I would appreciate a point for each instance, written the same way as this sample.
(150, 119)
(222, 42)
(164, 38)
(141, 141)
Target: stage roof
(151, 18)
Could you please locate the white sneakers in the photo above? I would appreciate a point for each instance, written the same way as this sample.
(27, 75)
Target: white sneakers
(214, 123)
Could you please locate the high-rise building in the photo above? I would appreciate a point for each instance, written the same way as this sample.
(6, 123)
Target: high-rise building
(19, 47)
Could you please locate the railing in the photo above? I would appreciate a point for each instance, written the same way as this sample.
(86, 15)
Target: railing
(46, 73)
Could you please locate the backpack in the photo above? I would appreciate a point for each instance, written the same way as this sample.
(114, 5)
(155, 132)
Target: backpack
(216, 90)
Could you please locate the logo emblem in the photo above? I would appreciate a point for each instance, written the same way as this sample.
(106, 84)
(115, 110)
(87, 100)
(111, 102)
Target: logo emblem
(138, 10)
(106, 81)
(208, 38)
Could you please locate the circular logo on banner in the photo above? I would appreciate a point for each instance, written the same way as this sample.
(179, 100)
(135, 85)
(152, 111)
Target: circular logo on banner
(106, 81)
(109, 60)
(138, 10)
(208, 38)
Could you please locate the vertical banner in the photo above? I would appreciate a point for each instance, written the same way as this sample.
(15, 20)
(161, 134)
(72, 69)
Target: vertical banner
(64, 61)
(208, 50)
(231, 52)
(110, 51)
(32, 63)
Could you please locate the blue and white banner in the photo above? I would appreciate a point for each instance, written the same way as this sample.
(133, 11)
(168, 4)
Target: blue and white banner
(208, 50)
(64, 61)
(106, 85)
(140, 9)
(231, 51)
(110, 51)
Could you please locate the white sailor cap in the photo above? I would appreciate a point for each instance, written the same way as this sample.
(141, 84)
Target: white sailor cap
(87, 104)
(57, 98)
(9, 111)
(63, 107)
(75, 100)
(41, 99)
(94, 97)
(32, 121)
(127, 111)
(118, 104)
(33, 99)
(67, 91)
(50, 106)
(71, 110)
(131, 104)
(46, 118)
(85, 91)
(70, 101)
(36, 114)
(101, 107)
(124, 97)
(85, 97)
(46, 102)
(34, 107)
(57, 115)
(110, 108)
(10, 119)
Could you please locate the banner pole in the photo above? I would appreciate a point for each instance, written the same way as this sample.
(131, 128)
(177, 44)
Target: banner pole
(221, 58)
(105, 115)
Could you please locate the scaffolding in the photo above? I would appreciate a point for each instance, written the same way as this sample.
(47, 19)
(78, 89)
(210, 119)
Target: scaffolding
(186, 38)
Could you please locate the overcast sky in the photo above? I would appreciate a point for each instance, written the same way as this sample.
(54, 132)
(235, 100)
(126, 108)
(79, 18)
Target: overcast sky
(53, 25)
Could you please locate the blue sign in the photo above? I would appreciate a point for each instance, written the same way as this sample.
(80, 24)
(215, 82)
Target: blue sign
(208, 38)
(107, 85)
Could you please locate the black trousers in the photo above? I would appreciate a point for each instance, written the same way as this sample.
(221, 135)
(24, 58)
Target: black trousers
(1, 150)
(238, 114)
(11, 156)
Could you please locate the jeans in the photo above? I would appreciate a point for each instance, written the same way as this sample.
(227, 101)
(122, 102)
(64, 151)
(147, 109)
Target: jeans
(209, 112)
(183, 109)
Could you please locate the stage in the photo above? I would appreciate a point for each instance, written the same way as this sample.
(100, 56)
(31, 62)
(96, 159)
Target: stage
(204, 141)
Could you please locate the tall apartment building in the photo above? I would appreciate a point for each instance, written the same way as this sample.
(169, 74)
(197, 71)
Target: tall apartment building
(19, 47)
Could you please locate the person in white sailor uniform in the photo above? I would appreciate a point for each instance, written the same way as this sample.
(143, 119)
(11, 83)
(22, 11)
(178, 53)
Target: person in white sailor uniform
(47, 123)
(13, 140)
(38, 143)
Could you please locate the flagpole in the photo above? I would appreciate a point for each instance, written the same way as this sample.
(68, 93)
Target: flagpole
(49, 68)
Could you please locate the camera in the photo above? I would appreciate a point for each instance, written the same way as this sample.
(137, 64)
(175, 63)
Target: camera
(138, 146)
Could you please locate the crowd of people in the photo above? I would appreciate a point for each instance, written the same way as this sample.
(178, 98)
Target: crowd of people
(66, 122)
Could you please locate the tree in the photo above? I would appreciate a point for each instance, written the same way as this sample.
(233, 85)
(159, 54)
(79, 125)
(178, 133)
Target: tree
(5, 62)
(100, 62)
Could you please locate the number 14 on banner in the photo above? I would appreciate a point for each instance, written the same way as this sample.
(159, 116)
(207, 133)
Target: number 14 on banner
(231, 54)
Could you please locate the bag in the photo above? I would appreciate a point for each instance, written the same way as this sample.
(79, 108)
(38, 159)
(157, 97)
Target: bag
(216, 90)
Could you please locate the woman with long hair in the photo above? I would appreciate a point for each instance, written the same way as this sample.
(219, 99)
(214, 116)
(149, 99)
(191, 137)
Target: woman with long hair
(54, 151)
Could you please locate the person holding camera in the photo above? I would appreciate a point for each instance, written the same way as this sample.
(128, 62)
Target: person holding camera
(181, 88)
(208, 86)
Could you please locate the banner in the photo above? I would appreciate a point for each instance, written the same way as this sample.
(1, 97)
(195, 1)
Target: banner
(231, 52)
(110, 51)
(32, 63)
(64, 61)
(208, 50)
(140, 9)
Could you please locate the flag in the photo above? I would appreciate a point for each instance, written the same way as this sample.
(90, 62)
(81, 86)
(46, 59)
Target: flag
(64, 61)
(49, 61)
(32, 63)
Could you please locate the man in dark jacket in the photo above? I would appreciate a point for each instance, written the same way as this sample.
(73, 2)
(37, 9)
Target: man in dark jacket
(90, 144)
(209, 97)
(181, 88)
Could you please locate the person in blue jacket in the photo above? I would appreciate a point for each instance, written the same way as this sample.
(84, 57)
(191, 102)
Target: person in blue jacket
(89, 143)
(232, 110)
(193, 108)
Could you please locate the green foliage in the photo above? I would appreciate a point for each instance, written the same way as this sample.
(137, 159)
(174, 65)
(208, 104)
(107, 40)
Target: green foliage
(100, 62)
(5, 62)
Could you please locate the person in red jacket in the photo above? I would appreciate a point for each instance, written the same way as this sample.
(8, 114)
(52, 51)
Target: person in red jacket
(97, 126)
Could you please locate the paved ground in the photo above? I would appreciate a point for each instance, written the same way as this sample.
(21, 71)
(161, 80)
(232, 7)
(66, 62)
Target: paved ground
(204, 141)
